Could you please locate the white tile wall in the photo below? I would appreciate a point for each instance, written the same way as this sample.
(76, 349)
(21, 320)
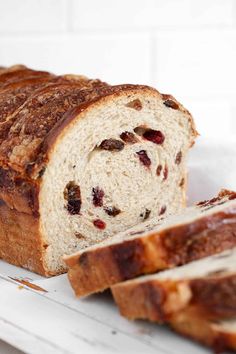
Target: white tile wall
(183, 47)
(141, 14)
(115, 58)
(32, 15)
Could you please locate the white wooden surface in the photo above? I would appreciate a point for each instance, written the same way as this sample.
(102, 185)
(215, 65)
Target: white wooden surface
(56, 322)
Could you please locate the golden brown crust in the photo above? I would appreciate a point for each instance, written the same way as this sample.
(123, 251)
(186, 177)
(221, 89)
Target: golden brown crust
(159, 250)
(160, 300)
(20, 240)
(193, 325)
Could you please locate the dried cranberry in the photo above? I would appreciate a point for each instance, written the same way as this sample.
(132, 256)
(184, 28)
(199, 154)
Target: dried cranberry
(98, 195)
(128, 137)
(163, 210)
(171, 104)
(155, 136)
(112, 211)
(232, 196)
(73, 197)
(135, 104)
(159, 169)
(99, 224)
(165, 173)
(143, 157)
(178, 158)
(146, 214)
(112, 145)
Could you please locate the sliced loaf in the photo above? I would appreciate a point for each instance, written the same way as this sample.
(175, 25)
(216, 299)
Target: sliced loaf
(208, 286)
(199, 231)
(220, 335)
(81, 160)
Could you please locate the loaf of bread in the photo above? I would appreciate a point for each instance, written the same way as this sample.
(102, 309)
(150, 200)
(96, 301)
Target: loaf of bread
(220, 335)
(196, 232)
(81, 160)
(207, 286)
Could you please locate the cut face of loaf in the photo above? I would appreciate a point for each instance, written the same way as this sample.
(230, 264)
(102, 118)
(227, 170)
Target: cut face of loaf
(218, 334)
(196, 232)
(207, 285)
(81, 160)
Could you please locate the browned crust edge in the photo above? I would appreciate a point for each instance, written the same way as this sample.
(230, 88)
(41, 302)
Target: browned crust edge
(159, 300)
(98, 269)
(20, 240)
(199, 328)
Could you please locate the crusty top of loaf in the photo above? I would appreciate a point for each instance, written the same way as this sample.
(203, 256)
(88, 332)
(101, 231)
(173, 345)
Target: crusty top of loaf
(34, 103)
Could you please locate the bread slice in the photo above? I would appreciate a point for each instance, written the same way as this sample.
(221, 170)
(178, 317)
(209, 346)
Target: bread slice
(81, 160)
(218, 334)
(207, 285)
(199, 231)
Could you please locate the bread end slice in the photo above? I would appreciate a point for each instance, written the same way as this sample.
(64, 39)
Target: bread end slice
(219, 335)
(198, 232)
(208, 285)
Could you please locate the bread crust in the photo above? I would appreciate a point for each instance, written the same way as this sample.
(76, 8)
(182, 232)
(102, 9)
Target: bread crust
(20, 241)
(95, 270)
(193, 325)
(159, 301)
(26, 143)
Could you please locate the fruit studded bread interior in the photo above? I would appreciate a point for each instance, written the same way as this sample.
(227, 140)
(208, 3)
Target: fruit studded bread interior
(224, 200)
(103, 158)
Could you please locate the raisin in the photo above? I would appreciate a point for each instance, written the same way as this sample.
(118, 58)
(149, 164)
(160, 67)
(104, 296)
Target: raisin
(112, 211)
(143, 157)
(171, 104)
(140, 130)
(73, 197)
(146, 214)
(128, 137)
(73, 206)
(155, 136)
(41, 172)
(98, 195)
(203, 203)
(163, 210)
(79, 236)
(165, 173)
(112, 145)
(181, 183)
(135, 104)
(99, 224)
(213, 200)
(159, 169)
(178, 158)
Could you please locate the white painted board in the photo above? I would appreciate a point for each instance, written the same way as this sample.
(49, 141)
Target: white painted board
(55, 321)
